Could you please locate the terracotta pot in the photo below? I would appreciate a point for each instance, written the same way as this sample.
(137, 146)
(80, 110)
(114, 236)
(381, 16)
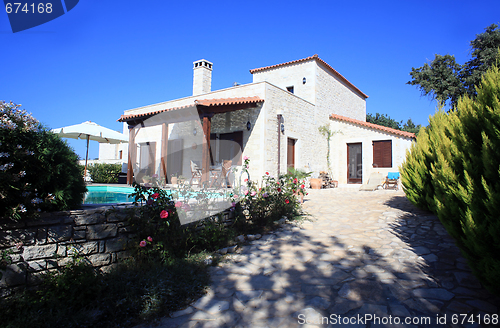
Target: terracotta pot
(173, 180)
(316, 183)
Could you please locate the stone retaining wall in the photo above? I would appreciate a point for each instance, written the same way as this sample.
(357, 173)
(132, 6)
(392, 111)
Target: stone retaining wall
(101, 235)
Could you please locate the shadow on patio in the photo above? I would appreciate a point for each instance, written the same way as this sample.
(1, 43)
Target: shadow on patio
(367, 254)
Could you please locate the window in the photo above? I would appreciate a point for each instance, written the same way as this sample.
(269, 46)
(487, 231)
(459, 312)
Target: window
(289, 89)
(230, 147)
(382, 153)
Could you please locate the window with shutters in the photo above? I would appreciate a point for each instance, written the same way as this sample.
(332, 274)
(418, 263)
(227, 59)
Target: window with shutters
(382, 153)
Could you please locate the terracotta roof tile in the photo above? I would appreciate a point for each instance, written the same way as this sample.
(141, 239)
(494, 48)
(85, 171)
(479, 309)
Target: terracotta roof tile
(228, 101)
(373, 126)
(124, 118)
(314, 57)
(202, 102)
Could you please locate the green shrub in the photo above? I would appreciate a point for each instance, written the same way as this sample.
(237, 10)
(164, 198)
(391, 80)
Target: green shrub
(416, 171)
(104, 173)
(80, 296)
(38, 171)
(456, 170)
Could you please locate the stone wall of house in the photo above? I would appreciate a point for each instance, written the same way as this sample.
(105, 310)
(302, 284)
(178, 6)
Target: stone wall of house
(292, 75)
(101, 235)
(301, 124)
(335, 97)
(345, 133)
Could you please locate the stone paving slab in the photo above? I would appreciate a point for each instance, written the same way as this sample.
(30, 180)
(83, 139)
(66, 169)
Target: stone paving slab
(361, 255)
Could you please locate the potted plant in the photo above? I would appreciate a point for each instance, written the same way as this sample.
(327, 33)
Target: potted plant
(173, 179)
(316, 183)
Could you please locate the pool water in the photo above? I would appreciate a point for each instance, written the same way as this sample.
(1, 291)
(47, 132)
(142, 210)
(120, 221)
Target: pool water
(107, 195)
(113, 195)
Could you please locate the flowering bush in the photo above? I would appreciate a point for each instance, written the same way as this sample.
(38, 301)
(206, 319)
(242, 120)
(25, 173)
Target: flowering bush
(162, 236)
(160, 233)
(269, 201)
(38, 171)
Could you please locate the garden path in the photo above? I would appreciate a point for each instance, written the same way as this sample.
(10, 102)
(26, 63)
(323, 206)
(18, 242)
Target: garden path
(362, 254)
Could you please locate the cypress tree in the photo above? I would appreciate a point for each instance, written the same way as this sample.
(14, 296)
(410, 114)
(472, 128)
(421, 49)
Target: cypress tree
(466, 179)
(416, 171)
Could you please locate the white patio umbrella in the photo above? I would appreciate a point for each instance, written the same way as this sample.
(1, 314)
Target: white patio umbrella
(91, 131)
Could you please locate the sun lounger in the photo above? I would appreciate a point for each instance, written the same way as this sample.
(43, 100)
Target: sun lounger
(375, 181)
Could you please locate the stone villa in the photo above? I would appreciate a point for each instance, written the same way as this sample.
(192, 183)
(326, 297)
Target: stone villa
(274, 121)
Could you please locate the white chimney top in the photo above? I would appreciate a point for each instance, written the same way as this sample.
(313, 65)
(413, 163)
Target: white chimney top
(202, 77)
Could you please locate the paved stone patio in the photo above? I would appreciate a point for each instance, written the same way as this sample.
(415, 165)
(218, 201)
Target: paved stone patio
(363, 255)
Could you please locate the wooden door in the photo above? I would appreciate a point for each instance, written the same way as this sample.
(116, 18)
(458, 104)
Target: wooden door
(354, 163)
(147, 158)
(290, 158)
(174, 158)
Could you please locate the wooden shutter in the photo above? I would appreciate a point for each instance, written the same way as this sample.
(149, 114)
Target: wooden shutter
(290, 161)
(382, 153)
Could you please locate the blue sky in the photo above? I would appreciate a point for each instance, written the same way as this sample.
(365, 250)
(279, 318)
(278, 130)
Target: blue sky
(104, 57)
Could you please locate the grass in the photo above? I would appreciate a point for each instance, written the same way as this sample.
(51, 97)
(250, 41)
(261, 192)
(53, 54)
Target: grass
(129, 295)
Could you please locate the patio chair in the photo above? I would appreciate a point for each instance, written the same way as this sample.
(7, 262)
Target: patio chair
(392, 181)
(376, 180)
(88, 179)
(195, 173)
(215, 174)
(226, 170)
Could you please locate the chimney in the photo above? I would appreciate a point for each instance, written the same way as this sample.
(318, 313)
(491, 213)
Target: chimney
(202, 77)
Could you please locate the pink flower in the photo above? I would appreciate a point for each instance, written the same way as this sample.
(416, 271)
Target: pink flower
(142, 243)
(155, 195)
(164, 214)
(233, 204)
(253, 193)
(287, 201)
(236, 196)
(178, 204)
(246, 192)
(295, 180)
(245, 158)
(302, 186)
(150, 239)
(245, 180)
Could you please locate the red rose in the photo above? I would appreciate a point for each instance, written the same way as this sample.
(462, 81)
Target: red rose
(287, 201)
(164, 214)
(155, 195)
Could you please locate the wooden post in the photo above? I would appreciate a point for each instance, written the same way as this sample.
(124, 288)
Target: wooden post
(279, 144)
(131, 155)
(164, 151)
(205, 161)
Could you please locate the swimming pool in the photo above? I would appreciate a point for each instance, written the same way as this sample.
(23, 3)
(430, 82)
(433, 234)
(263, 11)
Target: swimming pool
(107, 195)
(113, 195)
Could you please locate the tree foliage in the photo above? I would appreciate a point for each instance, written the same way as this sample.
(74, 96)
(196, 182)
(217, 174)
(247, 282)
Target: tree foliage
(38, 171)
(385, 120)
(445, 80)
(453, 170)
